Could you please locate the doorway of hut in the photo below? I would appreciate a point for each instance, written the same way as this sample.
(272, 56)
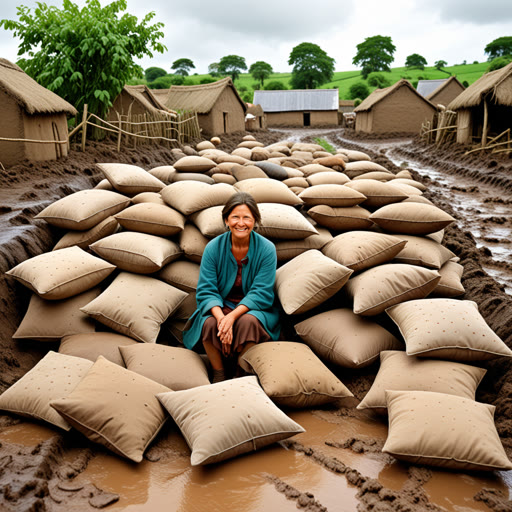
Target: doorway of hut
(307, 119)
(225, 119)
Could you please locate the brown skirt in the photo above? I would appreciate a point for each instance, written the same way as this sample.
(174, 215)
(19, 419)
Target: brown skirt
(246, 329)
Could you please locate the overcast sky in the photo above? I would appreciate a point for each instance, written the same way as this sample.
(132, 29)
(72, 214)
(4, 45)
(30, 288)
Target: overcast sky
(205, 31)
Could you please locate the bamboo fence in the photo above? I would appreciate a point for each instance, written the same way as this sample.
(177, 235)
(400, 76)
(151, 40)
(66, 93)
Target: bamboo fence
(495, 146)
(442, 128)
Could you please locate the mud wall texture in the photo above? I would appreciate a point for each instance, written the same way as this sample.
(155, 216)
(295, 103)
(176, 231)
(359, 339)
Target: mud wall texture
(226, 116)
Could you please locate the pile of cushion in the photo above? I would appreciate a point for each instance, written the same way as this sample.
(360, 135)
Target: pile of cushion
(354, 243)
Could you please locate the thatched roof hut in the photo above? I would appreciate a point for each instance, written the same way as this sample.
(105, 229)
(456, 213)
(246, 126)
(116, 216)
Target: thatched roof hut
(136, 100)
(255, 119)
(160, 95)
(485, 107)
(30, 111)
(441, 91)
(398, 108)
(218, 105)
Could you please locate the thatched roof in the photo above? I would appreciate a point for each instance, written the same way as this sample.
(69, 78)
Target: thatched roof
(28, 94)
(379, 94)
(160, 95)
(143, 95)
(297, 100)
(497, 85)
(255, 110)
(444, 85)
(199, 98)
(346, 103)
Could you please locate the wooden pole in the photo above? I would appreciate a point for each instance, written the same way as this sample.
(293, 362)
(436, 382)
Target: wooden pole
(486, 120)
(84, 127)
(120, 132)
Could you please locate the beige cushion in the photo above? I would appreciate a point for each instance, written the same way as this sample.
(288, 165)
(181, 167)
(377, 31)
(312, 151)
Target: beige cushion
(243, 152)
(250, 144)
(83, 239)
(377, 193)
(294, 173)
(137, 252)
(164, 173)
(380, 287)
(130, 179)
(187, 308)
(148, 197)
(401, 372)
(283, 221)
(353, 156)
(61, 274)
(104, 184)
(411, 218)
(437, 236)
(310, 169)
(375, 175)
(447, 329)
(422, 251)
(309, 280)
(223, 178)
(416, 199)
(449, 285)
(341, 219)
(354, 169)
(336, 162)
(443, 430)
(247, 172)
(411, 182)
(404, 173)
(54, 376)
(191, 196)
(328, 178)
(341, 337)
(192, 242)
(227, 419)
(292, 376)
(331, 195)
(193, 176)
(135, 305)
(174, 367)
(94, 344)
(151, 218)
(182, 274)
(209, 221)
(296, 182)
(288, 249)
(84, 209)
(115, 407)
(205, 144)
(265, 190)
(407, 189)
(194, 164)
(50, 320)
(359, 250)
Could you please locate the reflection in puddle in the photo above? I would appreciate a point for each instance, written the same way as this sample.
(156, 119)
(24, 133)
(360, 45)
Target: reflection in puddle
(27, 434)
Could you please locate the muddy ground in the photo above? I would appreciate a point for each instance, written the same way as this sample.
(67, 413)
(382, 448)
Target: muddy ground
(337, 464)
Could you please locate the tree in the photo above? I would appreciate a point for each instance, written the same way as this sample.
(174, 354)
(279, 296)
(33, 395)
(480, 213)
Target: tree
(275, 85)
(378, 80)
(499, 62)
(415, 61)
(374, 54)
(499, 47)
(232, 65)
(440, 64)
(312, 67)
(85, 55)
(182, 66)
(162, 82)
(358, 90)
(152, 74)
(213, 69)
(261, 70)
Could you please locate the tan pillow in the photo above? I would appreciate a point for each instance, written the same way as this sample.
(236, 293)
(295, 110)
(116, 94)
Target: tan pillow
(354, 169)
(148, 197)
(341, 337)
(61, 274)
(182, 274)
(205, 144)
(296, 182)
(51, 320)
(84, 209)
(411, 218)
(437, 236)
(247, 172)
(191, 196)
(283, 221)
(447, 329)
(54, 376)
(151, 218)
(192, 242)
(164, 173)
(209, 221)
(265, 190)
(310, 169)
(83, 239)
(377, 193)
(288, 249)
(130, 179)
(449, 285)
(331, 195)
(251, 144)
(341, 219)
(193, 176)
(422, 251)
(401, 372)
(410, 182)
(360, 250)
(94, 344)
(353, 156)
(223, 178)
(115, 407)
(336, 162)
(174, 367)
(223, 420)
(331, 178)
(137, 252)
(292, 376)
(135, 305)
(380, 287)
(104, 184)
(194, 164)
(443, 430)
(375, 175)
(187, 308)
(294, 173)
(309, 280)
(243, 152)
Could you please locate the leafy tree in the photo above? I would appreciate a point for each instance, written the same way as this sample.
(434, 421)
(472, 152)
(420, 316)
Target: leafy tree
(182, 66)
(358, 90)
(232, 65)
(499, 62)
(162, 82)
(207, 80)
(312, 67)
(374, 54)
(261, 70)
(465, 84)
(247, 97)
(440, 64)
(213, 69)
(275, 85)
(499, 47)
(415, 61)
(378, 80)
(85, 55)
(256, 86)
(152, 74)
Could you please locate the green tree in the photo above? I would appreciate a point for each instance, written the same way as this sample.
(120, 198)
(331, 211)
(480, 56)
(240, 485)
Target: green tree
(439, 64)
(152, 74)
(162, 82)
(260, 71)
(85, 55)
(499, 62)
(275, 85)
(374, 54)
(182, 66)
(213, 69)
(232, 65)
(499, 47)
(312, 67)
(415, 61)
(207, 80)
(378, 80)
(358, 90)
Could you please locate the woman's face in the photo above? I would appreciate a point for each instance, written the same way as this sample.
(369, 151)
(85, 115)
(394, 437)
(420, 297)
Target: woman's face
(240, 222)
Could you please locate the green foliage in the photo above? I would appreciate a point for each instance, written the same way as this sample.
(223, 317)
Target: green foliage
(312, 67)
(207, 80)
(465, 83)
(374, 54)
(247, 97)
(84, 55)
(213, 69)
(499, 48)
(260, 71)
(232, 65)
(162, 82)
(415, 61)
(275, 85)
(242, 88)
(328, 147)
(152, 74)
(499, 62)
(414, 83)
(182, 66)
(378, 80)
(256, 86)
(357, 102)
(177, 79)
(358, 90)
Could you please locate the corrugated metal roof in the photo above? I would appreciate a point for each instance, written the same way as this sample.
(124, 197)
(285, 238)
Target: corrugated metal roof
(297, 100)
(427, 87)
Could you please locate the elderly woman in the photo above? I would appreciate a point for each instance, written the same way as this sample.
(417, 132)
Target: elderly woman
(235, 292)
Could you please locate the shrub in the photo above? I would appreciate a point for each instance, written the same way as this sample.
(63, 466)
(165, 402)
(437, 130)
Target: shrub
(256, 86)
(247, 97)
(162, 82)
(415, 83)
(357, 102)
(358, 90)
(465, 83)
(378, 80)
(499, 62)
(241, 88)
(275, 85)
(207, 80)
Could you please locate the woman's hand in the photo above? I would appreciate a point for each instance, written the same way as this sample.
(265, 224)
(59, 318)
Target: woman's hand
(225, 333)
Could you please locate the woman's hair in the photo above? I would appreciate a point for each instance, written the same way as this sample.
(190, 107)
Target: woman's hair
(238, 199)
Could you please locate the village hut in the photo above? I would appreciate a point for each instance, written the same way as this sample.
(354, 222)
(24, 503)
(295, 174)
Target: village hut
(255, 118)
(398, 108)
(160, 95)
(345, 107)
(218, 105)
(441, 91)
(134, 100)
(30, 111)
(485, 107)
(299, 107)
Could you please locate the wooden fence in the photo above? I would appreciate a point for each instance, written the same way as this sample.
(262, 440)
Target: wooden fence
(442, 128)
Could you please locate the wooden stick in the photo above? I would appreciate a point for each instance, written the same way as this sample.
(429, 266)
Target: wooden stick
(486, 120)
(84, 127)
(34, 141)
(120, 134)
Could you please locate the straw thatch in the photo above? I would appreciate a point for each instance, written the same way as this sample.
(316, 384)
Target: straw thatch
(142, 95)
(160, 95)
(497, 85)
(28, 94)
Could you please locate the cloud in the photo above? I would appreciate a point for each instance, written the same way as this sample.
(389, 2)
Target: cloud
(475, 11)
